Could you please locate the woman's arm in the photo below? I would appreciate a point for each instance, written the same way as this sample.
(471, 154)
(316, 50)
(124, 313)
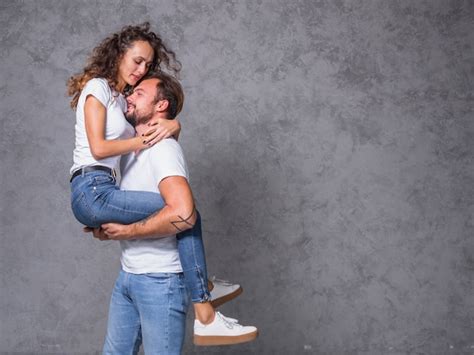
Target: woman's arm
(95, 115)
(168, 127)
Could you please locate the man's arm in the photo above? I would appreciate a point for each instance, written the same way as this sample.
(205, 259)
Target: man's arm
(178, 214)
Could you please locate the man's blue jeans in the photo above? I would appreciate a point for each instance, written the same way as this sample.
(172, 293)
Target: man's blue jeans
(149, 309)
(96, 199)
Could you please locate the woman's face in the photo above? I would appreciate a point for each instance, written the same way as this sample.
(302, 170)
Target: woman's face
(134, 64)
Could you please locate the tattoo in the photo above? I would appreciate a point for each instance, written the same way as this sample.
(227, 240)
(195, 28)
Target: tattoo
(143, 221)
(183, 220)
(174, 223)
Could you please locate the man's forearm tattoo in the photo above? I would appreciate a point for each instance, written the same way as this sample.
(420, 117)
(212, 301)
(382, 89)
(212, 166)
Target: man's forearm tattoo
(174, 223)
(146, 219)
(183, 220)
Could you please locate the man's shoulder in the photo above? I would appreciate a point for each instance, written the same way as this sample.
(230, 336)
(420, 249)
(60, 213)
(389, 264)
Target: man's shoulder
(166, 147)
(168, 151)
(166, 158)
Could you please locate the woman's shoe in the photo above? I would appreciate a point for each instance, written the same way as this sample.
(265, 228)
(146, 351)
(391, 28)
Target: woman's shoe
(223, 291)
(222, 331)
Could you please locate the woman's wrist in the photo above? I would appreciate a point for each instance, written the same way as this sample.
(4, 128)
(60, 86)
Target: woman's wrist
(139, 143)
(174, 126)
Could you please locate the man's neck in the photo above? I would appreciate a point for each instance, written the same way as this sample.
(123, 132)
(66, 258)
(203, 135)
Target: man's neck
(141, 128)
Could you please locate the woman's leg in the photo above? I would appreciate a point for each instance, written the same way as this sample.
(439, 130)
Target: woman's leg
(193, 262)
(97, 200)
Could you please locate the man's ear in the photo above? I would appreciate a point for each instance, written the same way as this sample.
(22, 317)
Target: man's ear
(162, 105)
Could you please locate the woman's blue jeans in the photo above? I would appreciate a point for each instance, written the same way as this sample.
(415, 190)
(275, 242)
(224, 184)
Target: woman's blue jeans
(96, 199)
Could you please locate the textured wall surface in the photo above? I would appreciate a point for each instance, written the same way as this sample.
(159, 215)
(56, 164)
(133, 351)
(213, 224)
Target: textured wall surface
(331, 151)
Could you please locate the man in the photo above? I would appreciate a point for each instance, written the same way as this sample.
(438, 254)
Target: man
(149, 301)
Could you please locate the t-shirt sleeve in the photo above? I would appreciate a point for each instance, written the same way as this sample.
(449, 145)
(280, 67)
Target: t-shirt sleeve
(167, 159)
(99, 88)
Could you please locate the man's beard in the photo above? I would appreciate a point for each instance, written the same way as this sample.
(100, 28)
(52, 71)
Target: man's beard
(130, 119)
(136, 118)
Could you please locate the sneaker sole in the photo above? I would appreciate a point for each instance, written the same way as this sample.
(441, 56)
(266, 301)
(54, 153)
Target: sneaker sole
(201, 340)
(221, 300)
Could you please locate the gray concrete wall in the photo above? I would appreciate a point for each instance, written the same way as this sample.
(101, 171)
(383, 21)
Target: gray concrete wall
(331, 152)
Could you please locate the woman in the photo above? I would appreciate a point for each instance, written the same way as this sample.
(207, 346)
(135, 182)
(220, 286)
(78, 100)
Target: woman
(103, 134)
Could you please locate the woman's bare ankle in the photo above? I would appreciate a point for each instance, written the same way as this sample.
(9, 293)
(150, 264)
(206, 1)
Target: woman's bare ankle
(204, 312)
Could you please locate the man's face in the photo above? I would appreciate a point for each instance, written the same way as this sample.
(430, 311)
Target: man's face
(140, 104)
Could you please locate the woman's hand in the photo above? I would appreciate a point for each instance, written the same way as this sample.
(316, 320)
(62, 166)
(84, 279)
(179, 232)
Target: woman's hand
(160, 129)
(152, 136)
(167, 128)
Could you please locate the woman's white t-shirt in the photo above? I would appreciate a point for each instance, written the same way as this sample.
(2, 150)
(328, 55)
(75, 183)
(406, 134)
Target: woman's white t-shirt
(116, 126)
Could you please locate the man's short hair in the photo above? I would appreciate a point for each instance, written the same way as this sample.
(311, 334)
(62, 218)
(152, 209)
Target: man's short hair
(168, 88)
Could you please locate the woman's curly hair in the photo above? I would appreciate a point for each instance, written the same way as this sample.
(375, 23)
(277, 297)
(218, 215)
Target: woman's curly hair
(105, 58)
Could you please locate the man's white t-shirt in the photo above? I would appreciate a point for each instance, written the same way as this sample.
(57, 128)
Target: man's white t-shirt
(116, 126)
(143, 172)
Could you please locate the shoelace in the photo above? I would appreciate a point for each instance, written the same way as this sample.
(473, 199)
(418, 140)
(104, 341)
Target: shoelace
(223, 282)
(232, 320)
(228, 322)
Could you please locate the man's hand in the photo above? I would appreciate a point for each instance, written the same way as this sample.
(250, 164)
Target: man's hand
(97, 232)
(116, 231)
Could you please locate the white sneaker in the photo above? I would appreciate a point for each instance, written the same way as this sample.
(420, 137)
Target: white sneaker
(223, 291)
(222, 331)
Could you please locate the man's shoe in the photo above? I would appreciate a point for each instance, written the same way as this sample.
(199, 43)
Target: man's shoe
(222, 331)
(223, 291)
